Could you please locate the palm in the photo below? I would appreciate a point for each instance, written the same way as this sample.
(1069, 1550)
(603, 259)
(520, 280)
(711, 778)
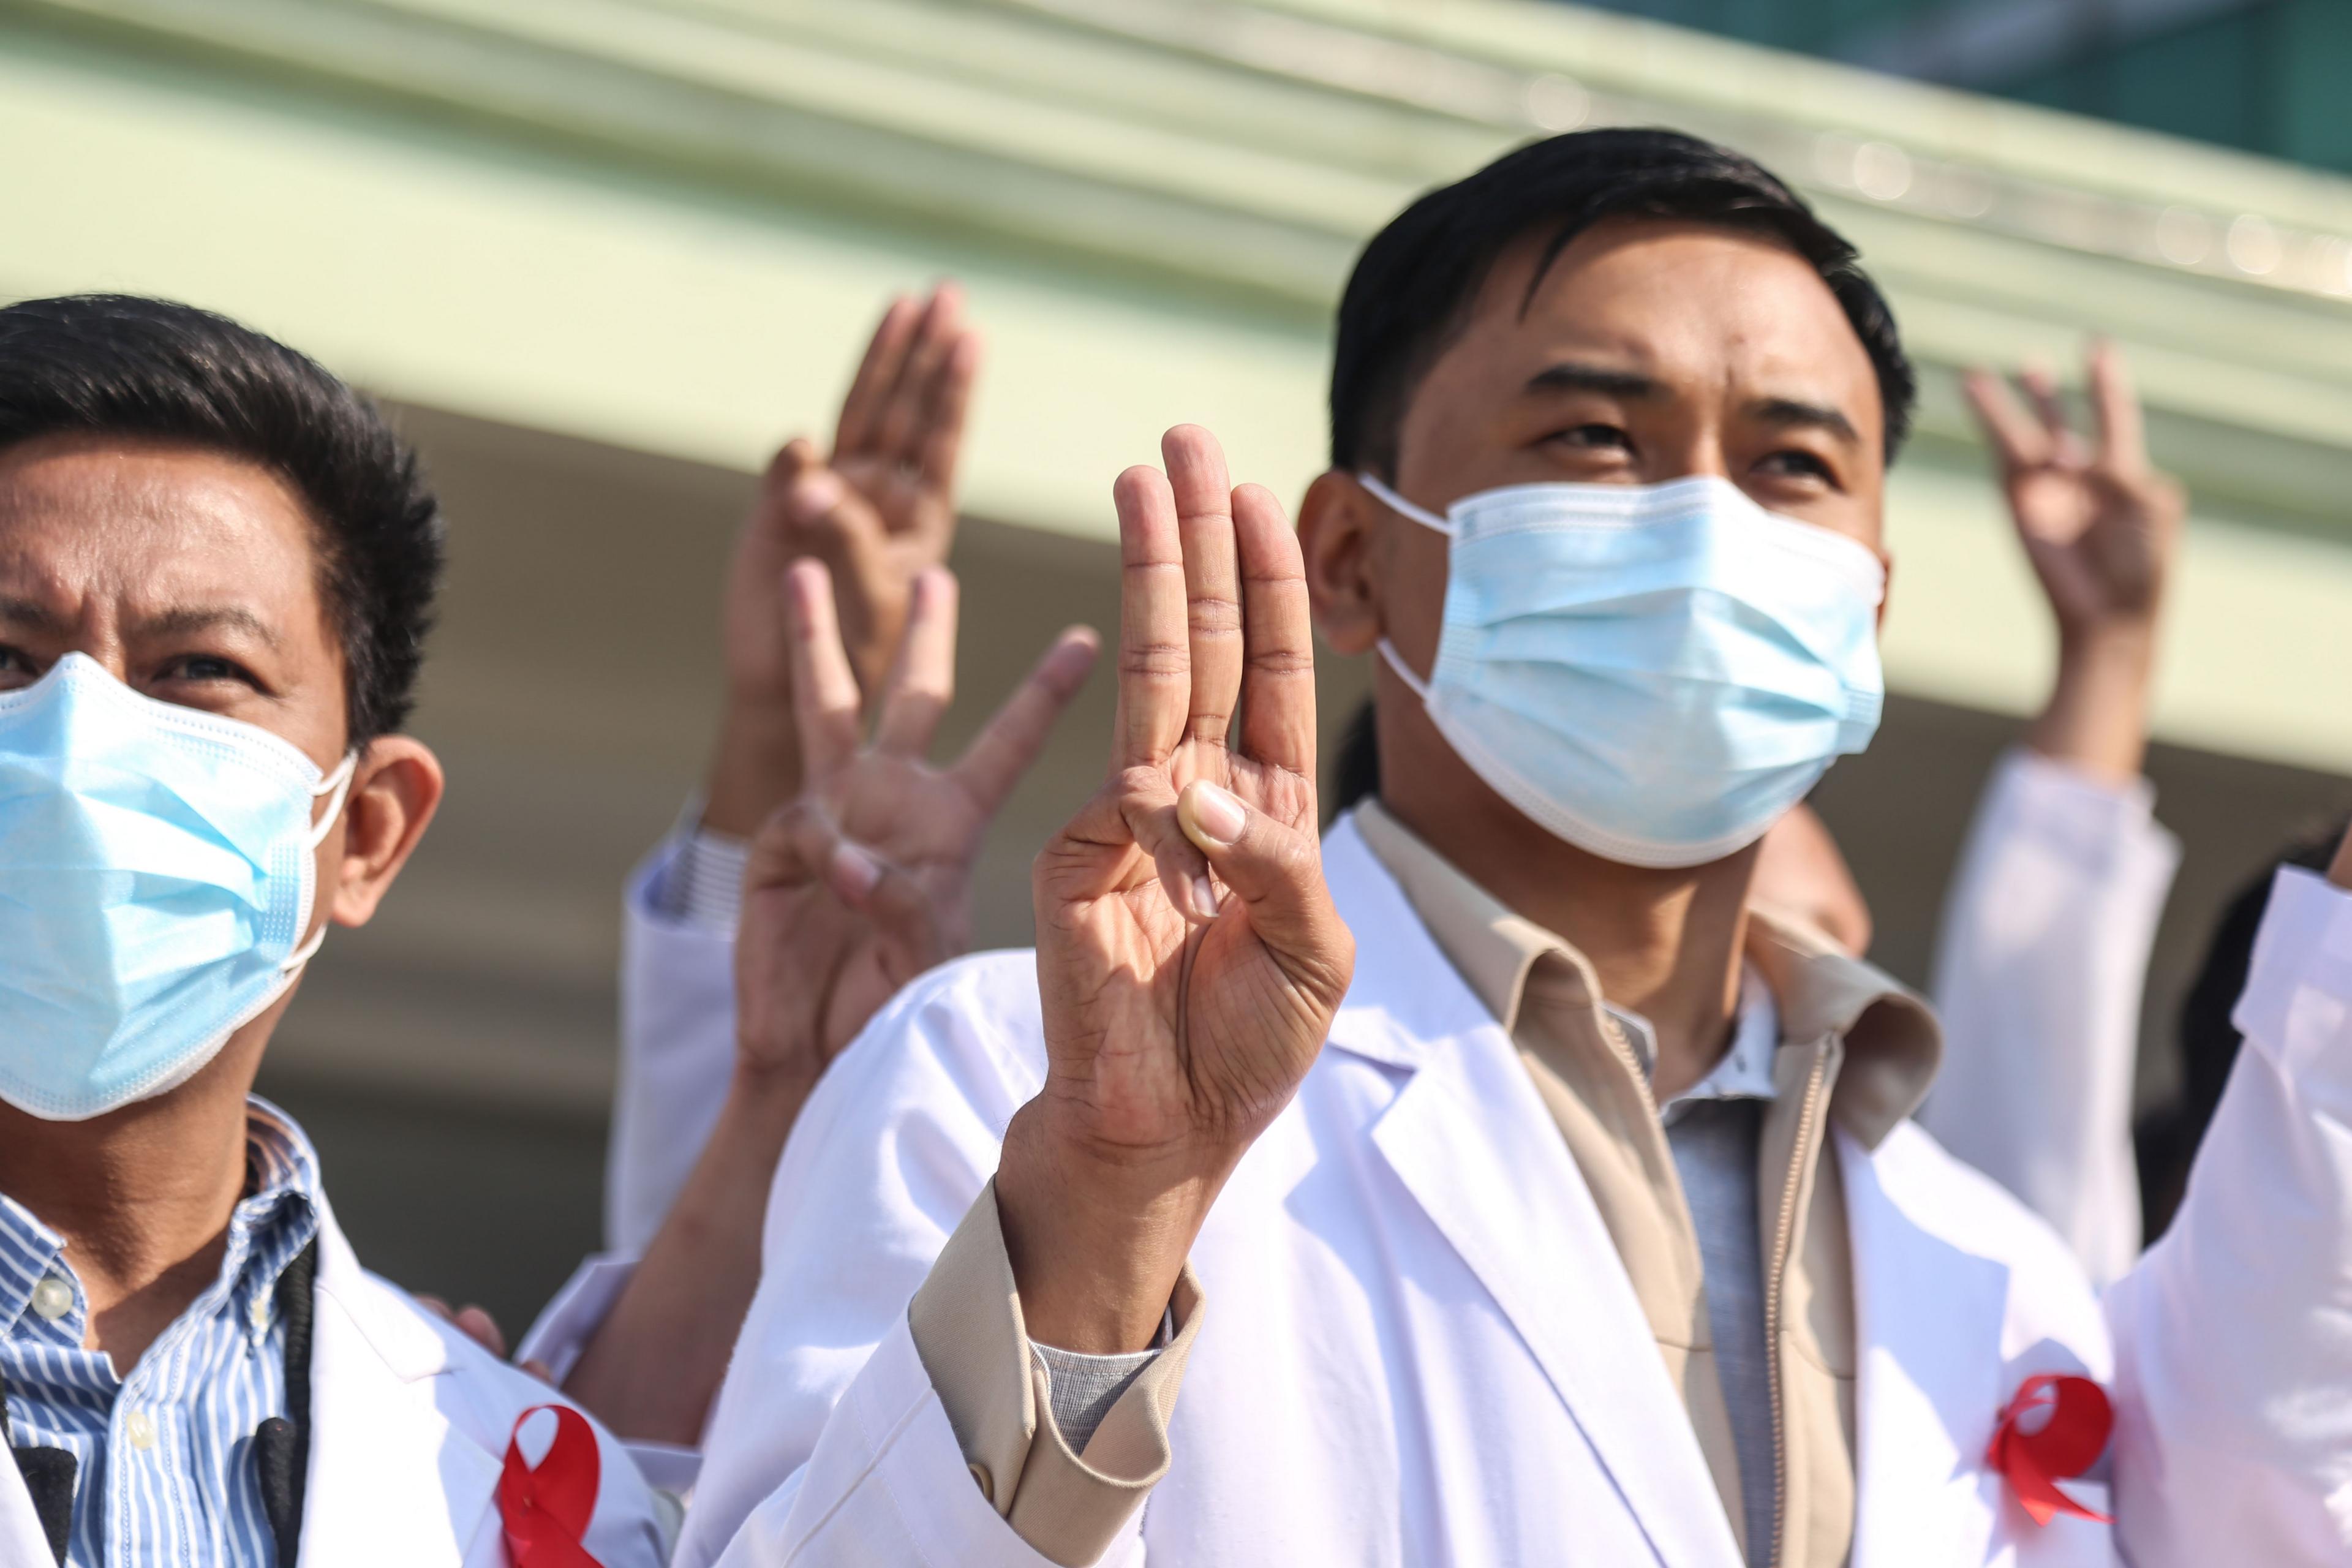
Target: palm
(2097, 523)
(880, 512)
(835, 964)
(864, 881)
(1166, 1027)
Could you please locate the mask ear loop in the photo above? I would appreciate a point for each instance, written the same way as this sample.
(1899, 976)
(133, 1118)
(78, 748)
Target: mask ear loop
(1427, 519)
(1404, 508)
(336, 787)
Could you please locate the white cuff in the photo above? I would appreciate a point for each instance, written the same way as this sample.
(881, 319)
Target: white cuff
(571, 1317)
(2297, 1006)
(2089, 819)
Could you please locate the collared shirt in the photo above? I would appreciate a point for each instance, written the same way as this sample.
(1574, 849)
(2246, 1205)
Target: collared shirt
(165, 1463)
(1724, 1209)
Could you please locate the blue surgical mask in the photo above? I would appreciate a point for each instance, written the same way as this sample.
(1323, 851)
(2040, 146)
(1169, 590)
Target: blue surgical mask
(156, 878)
(1654, 673)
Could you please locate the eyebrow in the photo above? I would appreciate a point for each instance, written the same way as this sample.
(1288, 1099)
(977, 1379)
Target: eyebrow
(1573, 377)
(1796, 412)
(30, 613)
(187, 620)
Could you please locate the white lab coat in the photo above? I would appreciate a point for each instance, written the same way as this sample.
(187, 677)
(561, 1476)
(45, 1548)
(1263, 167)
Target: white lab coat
(409, 1427)
(1423, 1348)
(2040, 961)
(2041, 958)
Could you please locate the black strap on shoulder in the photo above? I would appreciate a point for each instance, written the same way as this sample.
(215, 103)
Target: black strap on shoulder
(48, 1475)
(281, 1444)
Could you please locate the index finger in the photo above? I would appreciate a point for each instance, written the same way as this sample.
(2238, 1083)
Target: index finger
(2123, 441)
(1002, 752)
(2016, 438)
(885, 352)
(824, 691)
(1277, 636)
(1155, 657)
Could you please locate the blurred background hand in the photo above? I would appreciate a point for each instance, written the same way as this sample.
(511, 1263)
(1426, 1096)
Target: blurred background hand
(2102, 528)
(877, 512)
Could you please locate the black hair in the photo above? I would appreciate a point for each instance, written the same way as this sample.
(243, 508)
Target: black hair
(1413, 284)
(118, 365)
(2166, 1138)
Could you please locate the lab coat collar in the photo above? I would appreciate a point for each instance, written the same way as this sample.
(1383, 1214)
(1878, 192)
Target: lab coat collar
(1469, 1139)
(404, 1457)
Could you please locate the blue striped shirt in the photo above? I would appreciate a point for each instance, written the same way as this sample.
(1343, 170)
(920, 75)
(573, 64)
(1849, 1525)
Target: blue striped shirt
(165, 1464)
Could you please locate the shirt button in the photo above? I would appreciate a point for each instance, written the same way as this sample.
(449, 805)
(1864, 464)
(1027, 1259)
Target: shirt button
(52, 1297)
(139, 1427)
(259, 1314)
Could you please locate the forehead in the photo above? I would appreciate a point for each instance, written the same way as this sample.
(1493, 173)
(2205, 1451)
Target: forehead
(1699, 307)
(143, 524)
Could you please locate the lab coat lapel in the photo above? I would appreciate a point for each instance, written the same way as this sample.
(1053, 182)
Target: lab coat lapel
(1929, 1319)
(21, 1540)
(1469, 1139)
(399, 1469)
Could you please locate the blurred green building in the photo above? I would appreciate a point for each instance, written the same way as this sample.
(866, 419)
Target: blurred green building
(2272, 77)
(603, 255)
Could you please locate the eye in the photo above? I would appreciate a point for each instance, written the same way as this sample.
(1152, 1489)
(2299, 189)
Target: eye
(1596, 438)
(1799, 464)
(204, 668)
(16, 669)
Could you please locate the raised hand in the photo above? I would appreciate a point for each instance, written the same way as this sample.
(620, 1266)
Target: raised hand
(879, 511)
(2102, 528)
(863, 881)
(2100, 525)
(1189, 957)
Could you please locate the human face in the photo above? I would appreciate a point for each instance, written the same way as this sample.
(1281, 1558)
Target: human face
(193, 578)
(1649, 351)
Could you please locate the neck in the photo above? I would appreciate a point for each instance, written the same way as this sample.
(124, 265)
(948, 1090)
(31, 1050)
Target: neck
(1665, 944)
(141, 1196)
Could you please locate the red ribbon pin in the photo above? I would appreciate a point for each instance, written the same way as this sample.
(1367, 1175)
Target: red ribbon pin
(2062, 1448)
(546, 1510)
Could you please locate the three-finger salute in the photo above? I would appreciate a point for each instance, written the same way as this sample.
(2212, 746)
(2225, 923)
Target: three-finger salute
(1189, 958)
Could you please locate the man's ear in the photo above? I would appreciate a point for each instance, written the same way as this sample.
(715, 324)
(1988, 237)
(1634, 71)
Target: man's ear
(1336, 535)
(1886, 560)
(395, 787)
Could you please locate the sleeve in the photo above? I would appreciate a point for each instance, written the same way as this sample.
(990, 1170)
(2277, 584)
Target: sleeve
(2039, 964)
(2233, 1336)
(678, 1044)
(1066, 1488)
(830, 1442)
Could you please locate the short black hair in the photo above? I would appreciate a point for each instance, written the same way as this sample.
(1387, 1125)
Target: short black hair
(118, 365)
(1414, 282)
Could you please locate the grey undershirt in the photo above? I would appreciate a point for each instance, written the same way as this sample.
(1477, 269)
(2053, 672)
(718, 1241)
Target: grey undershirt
(1714, 1144)
(1084, 1387)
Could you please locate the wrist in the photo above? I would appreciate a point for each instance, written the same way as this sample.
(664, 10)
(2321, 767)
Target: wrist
(1097, 1241)
(2097, 716)
(770, 1091)
(755, 769)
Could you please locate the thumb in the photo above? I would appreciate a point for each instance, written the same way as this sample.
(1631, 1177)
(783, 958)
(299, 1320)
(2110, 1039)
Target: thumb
(859, 879)
(1275, 871)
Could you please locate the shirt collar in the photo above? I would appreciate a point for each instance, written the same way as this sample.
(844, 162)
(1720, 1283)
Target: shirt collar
(273, 1222)
(1797, 986)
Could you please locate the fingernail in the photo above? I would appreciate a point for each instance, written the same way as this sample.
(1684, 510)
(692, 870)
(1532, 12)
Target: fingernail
(855, 872)
(814, 496)
(1217, 813)
(1204, 897)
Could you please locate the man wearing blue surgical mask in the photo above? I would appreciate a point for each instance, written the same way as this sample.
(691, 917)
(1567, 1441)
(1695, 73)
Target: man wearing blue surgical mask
(1555, 1204)
(217, 565)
